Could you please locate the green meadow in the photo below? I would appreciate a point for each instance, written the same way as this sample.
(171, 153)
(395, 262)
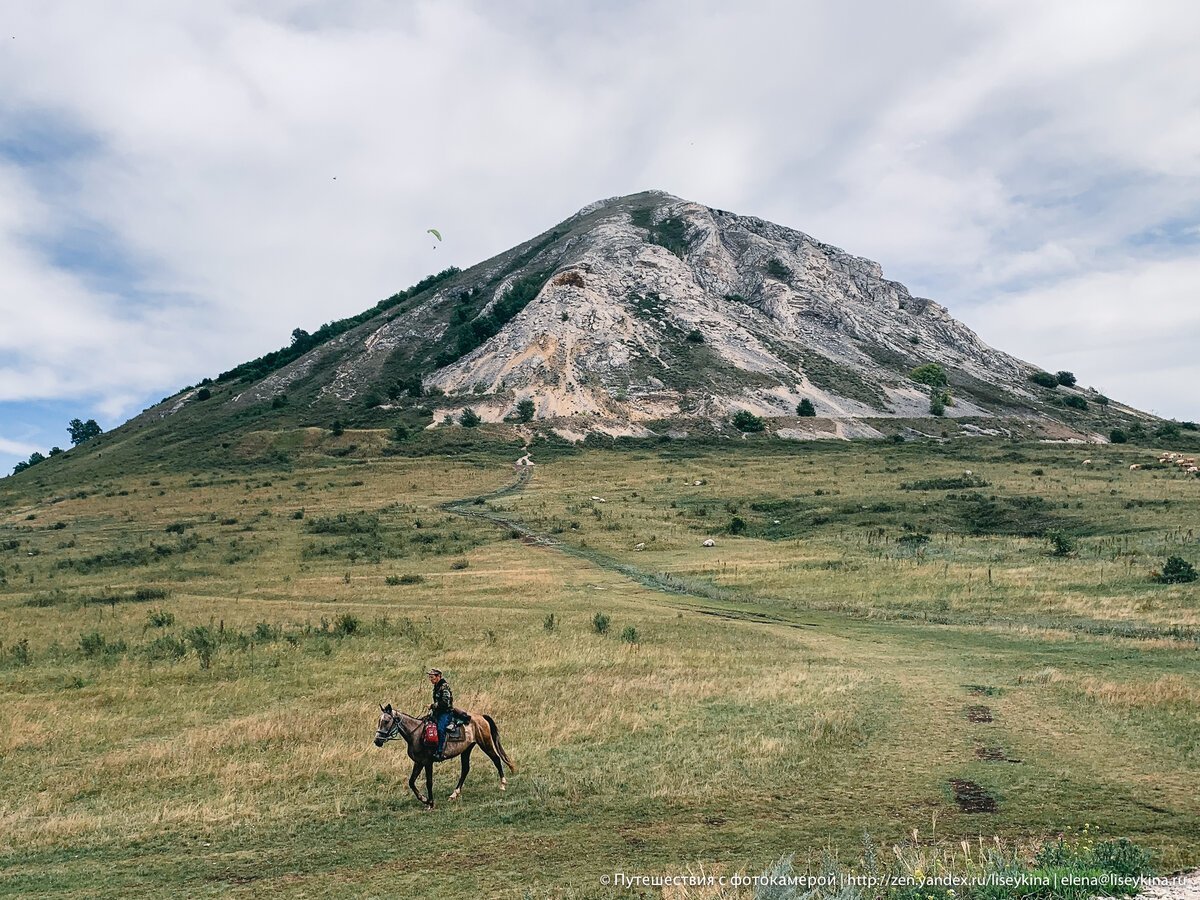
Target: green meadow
(191, 662)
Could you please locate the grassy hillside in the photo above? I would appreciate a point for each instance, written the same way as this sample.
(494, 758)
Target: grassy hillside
(191, 660)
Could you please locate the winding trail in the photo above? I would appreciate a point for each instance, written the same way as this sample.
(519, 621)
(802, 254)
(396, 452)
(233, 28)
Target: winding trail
(715, 602)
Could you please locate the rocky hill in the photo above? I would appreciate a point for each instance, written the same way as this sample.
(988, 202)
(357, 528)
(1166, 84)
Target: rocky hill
(641, 315)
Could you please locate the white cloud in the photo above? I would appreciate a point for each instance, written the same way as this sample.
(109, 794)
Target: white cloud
(262, 168)
(16, 448)
(1133, 332)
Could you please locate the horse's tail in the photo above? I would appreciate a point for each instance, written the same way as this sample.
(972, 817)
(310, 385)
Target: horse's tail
(496, 742)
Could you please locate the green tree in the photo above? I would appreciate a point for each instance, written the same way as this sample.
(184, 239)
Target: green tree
(695, 337)
(81, 431)
(525, 410)
(469, 418)
(1117, 436)
(746, 421)
(931, 374)
(805, 409)
(338, 429)
(1045, 379)
(937, 406)
(1177, 570)
(1067, 379)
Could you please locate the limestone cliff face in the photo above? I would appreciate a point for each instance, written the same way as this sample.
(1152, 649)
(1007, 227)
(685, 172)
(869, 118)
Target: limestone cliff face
(645, 310)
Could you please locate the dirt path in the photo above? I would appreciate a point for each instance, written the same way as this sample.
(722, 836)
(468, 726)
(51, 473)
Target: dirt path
(715, 603)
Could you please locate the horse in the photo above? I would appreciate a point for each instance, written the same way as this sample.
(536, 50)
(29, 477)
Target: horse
(481, 730)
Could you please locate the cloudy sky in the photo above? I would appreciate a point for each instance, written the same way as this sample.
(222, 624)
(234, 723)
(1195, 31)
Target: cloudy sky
(182, 184)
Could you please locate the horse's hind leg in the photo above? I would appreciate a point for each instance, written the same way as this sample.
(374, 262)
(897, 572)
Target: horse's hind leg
(466, 767)
(495, 758)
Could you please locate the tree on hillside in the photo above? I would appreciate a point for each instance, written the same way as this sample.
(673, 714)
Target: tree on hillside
(469, 418)
(1066, 379)
(83, 431)
(931, 374)
(744, 420)
(525, 410)
(1045, 379)
(806, 410)
(34, 459)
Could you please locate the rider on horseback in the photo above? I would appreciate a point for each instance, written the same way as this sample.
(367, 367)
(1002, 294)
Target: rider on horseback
(442, 708)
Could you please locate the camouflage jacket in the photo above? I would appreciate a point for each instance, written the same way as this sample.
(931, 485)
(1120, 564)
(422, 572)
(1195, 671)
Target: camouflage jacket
(443, 698)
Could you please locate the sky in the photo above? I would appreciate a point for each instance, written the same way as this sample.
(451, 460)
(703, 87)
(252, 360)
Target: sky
(182, 184)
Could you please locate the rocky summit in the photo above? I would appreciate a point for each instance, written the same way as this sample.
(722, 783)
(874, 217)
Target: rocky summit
(648, 314)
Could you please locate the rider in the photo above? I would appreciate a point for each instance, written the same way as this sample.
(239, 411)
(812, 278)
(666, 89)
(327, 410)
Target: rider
(442, 708)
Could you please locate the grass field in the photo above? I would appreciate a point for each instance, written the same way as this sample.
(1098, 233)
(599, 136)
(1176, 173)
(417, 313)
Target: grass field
(191, 664)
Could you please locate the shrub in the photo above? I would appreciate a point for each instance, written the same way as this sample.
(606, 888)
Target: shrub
(737, 525)
(20, 652)
(1075, 402)
(459, 564)
(1101, 400)
(937, 406)
(203, 394)
(203, 640)
(805, 409)
(1061, 543)
(469, 418)
(337, 429)
(931, 374)
(1067, 379)
(1168, 430)
(1117, 436)
(400, 433)
(549, 623)
(91, 644)
(346, 624)
(1122, 857)
(600, 623)
(629, 635)
(1186, 426)
(526, 410)
(1176, 570)
(746, 421)
(1045, 379)
(166, 646)
(263, 631)
(695, 337)
(279, 401)
(160, 618)
(394, 580)
(777, 270)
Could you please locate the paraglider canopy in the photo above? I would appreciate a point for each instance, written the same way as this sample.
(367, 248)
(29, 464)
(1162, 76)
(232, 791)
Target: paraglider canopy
(437, 234)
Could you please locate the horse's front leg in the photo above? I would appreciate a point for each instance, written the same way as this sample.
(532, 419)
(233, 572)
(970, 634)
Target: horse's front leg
(429, 784)
(412, 782)
(466, 767)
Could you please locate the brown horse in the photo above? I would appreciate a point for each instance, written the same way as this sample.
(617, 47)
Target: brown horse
(479, 730)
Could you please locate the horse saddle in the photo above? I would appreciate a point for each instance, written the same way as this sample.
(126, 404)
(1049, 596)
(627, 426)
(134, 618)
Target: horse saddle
(456, 730)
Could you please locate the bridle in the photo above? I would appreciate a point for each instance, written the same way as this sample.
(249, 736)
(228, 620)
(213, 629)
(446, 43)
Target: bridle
(391, 733)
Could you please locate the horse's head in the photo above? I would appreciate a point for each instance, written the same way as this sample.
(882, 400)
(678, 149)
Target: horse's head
(389, 725)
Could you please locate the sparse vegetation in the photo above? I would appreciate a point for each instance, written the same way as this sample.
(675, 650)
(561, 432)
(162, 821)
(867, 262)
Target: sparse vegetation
(805, 409)
(1044, 379)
